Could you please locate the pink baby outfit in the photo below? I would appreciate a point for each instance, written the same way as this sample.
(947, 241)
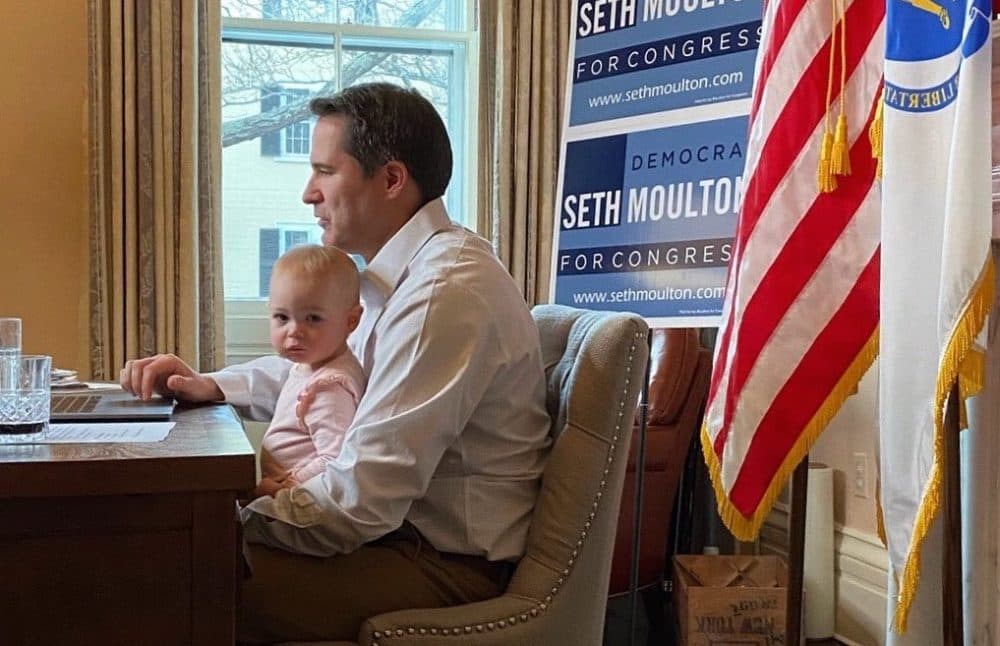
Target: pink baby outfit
(311, 418)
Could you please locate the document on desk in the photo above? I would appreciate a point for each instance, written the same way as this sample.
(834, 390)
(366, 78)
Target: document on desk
(106, 432)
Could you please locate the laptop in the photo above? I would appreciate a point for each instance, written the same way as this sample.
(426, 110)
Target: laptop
(108, 406)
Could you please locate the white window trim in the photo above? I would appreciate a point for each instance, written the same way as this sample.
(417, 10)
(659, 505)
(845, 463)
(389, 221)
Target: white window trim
(247, 320)
(284, 155)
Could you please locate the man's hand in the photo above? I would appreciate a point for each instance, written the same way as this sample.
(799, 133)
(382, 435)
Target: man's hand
(167, 375)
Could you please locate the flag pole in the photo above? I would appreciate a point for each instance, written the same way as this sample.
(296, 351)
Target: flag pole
(640, 468)
(796, 552)
(952, 563)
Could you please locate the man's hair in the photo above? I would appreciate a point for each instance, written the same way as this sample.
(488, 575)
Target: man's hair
(323, 264)
(386, 122)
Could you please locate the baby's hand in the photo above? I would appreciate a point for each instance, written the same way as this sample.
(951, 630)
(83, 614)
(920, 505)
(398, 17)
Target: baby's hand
(269, 486)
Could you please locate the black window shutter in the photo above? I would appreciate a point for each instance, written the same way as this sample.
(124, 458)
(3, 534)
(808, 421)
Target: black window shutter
(270, 99)
(269, 250)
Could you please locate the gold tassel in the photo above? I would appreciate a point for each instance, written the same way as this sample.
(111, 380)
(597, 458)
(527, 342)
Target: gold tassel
(826, 181)
(875, 135)
(840, 161)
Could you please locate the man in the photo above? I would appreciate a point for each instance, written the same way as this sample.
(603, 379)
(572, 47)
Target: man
(429, 501)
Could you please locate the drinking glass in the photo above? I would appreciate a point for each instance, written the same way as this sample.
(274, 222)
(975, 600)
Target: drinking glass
(10, 347)
(25, 398)
(10, 335)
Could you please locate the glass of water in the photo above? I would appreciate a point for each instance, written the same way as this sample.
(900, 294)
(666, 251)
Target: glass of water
(10, 335)
(25, 397)
(10, 346)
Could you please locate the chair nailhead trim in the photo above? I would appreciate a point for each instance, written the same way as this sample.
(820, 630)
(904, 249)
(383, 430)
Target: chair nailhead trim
(543, 606)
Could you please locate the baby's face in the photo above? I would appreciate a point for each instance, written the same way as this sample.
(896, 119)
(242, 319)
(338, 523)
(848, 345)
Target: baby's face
(309, 323)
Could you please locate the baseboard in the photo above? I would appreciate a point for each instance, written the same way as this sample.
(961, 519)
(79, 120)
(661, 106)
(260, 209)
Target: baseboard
(860, 577)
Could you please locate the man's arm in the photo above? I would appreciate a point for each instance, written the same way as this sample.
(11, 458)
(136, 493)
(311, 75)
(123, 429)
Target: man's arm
(253, 387)
(433, 360)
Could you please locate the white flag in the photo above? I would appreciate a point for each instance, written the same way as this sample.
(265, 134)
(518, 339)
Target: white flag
(937, 273)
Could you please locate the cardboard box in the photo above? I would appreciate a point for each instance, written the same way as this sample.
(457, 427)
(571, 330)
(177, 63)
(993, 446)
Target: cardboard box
(730, 600)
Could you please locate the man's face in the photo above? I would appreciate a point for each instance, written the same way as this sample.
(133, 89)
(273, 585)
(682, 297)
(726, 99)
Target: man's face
(346, 202)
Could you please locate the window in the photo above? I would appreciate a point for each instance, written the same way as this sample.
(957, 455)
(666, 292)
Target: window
(274, 242)
(276, 56)
(293, 140)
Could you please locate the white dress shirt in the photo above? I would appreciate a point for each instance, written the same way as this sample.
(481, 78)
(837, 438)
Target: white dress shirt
(452, 434)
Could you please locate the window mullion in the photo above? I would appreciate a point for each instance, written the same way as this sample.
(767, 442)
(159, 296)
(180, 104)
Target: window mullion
(338, 48)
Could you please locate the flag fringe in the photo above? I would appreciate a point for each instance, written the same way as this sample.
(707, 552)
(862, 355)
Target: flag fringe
(746, 528)
(957, 350)
(880, 515)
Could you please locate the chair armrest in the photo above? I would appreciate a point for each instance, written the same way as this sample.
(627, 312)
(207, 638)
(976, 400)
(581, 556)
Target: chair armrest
(485, 622)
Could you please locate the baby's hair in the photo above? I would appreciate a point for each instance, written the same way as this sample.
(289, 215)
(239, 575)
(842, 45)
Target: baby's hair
(322, 263)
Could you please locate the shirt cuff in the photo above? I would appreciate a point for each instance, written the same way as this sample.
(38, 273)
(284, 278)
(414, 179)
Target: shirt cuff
(294, 506)
(234, 386)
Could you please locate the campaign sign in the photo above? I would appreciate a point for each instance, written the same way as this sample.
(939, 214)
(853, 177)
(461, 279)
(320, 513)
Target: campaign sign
(653, 154)
(637, 57)
(646, 221)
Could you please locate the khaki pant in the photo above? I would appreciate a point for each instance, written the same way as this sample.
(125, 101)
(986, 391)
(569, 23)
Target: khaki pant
(290, 597)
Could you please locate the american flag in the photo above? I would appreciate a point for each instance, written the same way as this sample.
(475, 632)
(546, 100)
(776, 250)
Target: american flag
(800, 319)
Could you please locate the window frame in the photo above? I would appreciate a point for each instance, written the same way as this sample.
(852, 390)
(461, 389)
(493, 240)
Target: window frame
(287, 134)
(246, 319)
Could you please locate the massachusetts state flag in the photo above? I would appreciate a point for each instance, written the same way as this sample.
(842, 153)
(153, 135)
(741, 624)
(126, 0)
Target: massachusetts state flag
(800, 319)
(937, 273)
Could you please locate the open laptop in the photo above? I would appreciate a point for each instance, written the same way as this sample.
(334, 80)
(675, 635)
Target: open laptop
(108, 406)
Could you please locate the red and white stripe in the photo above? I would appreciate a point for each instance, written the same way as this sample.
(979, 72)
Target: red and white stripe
(802, 293)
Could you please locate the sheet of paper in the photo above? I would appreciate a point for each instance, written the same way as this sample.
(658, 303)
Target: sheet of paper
(110, 432)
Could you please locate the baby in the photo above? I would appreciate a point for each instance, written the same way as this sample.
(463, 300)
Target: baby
(314, 306)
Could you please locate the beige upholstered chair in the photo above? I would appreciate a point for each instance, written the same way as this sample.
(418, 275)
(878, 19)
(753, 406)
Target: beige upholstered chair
(595, 364)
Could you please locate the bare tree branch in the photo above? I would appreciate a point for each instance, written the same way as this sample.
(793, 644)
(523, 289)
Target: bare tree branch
(250, 127)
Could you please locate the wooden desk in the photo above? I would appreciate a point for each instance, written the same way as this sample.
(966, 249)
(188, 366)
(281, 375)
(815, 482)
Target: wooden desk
(124, 543)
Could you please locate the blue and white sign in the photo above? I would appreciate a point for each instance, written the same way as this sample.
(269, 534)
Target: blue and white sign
(635, 57)
(653, 154)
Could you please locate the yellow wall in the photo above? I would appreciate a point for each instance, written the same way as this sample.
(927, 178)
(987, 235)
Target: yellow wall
(852, 432)
(43, 176)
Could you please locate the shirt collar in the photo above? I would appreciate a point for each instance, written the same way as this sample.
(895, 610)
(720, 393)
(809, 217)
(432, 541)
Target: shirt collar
(381, 277)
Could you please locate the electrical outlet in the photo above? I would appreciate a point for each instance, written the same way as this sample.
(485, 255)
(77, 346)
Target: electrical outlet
(860, 475)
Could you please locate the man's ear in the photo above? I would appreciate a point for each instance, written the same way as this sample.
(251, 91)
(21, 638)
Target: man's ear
(354, 317)
(397, 176)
